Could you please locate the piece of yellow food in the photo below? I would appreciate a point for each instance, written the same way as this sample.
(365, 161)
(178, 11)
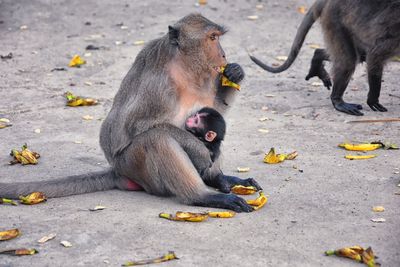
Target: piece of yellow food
(75, 101)
(360, 147)
(76, 61)
(7, 201)
(9, 234)
(221, 214)
(356, 253)
(273, 158)
(25, 156)
(33, 198)
(352, 157)
(226, 82)
(19, 252)
(259, 202)
(185, 216)
(243, 190)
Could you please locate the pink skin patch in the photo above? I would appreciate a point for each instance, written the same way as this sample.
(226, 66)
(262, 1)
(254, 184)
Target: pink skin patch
(132, 186)
(194, 122)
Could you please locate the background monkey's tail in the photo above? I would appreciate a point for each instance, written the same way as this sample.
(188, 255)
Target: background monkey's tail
(311, 16)
(71, 185)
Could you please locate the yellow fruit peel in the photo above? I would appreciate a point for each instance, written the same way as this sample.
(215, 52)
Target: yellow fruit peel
(9, 234)
(273, 158)
(19, 252)
(221, 214)
(226, 82)
(24, 156)
(356, 253)
(76, 61)
(259, 202)
(75, 101)
(7, 201)
(33, 198)
(243, 190)
(357, 157)
(166, 257)
(360, 147)
(185, 216)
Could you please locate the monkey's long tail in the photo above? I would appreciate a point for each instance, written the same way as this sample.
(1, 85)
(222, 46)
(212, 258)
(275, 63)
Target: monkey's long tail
(311, 16)
(71, 185)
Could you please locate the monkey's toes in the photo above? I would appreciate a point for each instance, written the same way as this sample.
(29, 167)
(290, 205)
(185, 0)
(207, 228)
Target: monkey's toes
(349, 108)
(377, 107)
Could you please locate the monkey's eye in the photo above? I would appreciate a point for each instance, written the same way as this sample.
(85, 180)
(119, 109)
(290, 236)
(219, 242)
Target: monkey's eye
(213, 36)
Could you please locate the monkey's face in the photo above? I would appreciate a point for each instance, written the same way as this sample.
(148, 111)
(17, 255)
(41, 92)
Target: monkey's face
(215, 55)
(198, 126)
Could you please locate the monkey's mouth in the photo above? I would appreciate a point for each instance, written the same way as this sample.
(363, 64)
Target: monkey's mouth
(219, 69)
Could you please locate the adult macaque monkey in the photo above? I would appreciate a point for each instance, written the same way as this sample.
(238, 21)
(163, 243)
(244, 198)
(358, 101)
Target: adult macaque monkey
(355, 31)
(171, 78)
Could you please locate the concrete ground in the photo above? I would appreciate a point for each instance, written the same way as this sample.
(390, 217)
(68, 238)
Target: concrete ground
(317, 202)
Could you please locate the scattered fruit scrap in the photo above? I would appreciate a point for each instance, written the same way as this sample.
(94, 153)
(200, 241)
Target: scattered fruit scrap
(259, 202)
(167, 257)
(357, 157)
(221, 214)
(185, 216)
(273, 158)
(66, 244)
(302, 9)
(243, 190)
(7, 201)
(378, 209)
(96, 208)
(4, 123)
(19, 251)
(76, 61)
(25, 156)
(74, 101)
(9, 234)
(33, 198)
(356, 253)
(46, 238)
(243, 169)
(368, 146)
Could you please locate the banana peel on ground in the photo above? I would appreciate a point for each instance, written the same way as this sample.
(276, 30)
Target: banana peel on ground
(33, 198)
(221, 214)
(243, 190)
(185, 216)
(225, 81)
(357, 157)
(75, 101)
(166, 257)
(19, 251)
(356, 253)
(7, 201)
(4, 123)
(259, 202)
(368, 146)
(273, 158)
(25, 156)
(9, 234)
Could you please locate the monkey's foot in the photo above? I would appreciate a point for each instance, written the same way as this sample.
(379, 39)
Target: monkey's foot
(375, 106)
(224, 201)
(349, 108)
(320, 72)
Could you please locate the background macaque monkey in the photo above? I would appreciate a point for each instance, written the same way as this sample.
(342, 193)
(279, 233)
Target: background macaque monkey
(209, 126)
(354, 31)
(172, 77)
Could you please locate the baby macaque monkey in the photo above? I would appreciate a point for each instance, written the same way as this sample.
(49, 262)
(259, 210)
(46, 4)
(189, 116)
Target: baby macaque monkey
(209, 126)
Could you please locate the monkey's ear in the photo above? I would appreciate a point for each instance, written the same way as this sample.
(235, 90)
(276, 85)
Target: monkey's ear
(210, 136)
(173, 34)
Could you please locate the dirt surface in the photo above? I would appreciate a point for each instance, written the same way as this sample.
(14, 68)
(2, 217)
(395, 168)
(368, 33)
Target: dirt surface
(318, 201)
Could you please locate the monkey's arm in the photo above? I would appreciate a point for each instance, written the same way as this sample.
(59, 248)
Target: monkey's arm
(317, 68)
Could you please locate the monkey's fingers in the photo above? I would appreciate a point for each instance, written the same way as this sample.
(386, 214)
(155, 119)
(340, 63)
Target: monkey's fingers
(234, 72)
(252, 182)
(225, 201)
(377, 107)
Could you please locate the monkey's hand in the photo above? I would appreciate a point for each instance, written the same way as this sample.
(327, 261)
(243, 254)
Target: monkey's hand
(319, 71)
(234, 72)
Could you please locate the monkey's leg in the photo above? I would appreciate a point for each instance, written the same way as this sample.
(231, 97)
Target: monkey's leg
(317, 67)
(375, 70)
(159, 164)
